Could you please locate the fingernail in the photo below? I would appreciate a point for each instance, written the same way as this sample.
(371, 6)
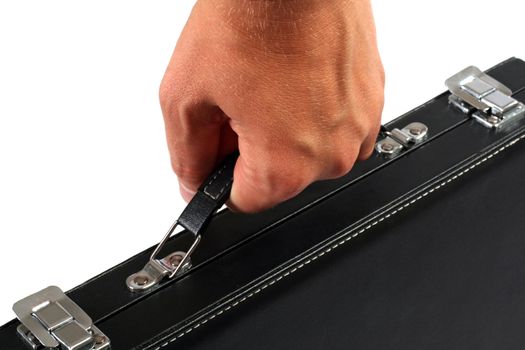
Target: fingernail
(186, 193)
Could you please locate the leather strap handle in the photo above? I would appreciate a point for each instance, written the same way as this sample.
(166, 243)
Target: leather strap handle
(212, 194)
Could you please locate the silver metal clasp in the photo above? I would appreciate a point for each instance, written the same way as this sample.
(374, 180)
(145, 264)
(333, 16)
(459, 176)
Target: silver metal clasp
(169, 266)
(399, 139)
(50, 319)
(486, 99)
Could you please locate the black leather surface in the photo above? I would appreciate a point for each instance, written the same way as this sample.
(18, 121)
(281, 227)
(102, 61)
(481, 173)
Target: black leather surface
(229, 278)
(447, 273)
(241, 250)
(102, 303)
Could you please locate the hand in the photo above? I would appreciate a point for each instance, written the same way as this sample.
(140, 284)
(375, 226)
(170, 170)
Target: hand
(296, 86)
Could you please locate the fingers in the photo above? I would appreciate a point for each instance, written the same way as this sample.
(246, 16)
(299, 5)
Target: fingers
(193, 132)
(368, 145)
(200, 136)
(261, 183)
(265, 177)
(227, 142)
(262, 178)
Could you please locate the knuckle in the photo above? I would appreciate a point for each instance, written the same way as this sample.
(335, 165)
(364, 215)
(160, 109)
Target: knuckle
(362, 129)
(366, 153)
(283, 183)
(372, 112)
(343, 162)
(288, 187)
(172, 96)
(370, 121)
(189, 176)
(166, 93)
(374, 132)
(376, 101)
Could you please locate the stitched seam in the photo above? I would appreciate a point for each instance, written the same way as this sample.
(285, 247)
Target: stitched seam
(205, 190)
(337, 244)
(221, 190)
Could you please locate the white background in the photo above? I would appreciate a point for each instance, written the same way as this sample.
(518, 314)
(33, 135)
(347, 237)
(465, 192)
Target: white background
(85, 180)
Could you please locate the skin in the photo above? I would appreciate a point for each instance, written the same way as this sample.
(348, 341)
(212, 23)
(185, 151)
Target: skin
(295, 85)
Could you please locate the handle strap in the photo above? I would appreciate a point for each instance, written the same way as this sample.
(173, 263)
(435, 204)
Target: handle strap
(212, 194)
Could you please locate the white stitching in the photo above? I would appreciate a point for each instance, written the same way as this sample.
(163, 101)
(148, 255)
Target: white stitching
(346, 239)
(205, 189)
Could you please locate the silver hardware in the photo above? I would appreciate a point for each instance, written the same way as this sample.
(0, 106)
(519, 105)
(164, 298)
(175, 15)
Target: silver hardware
(50, 319)
(169, 266)
(493, 120)
(29, 338)
(388, 146)
(397, 140)
(486, 99)
(100, 339)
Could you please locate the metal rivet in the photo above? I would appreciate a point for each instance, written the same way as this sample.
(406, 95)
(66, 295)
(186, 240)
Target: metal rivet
(387, 147)
(493, 119)
(415, 131)
(99, 339)
(176, 259)
(141, 280)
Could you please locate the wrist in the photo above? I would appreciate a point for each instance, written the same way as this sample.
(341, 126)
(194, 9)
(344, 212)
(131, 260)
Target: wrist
(277, 11)
(280, 24)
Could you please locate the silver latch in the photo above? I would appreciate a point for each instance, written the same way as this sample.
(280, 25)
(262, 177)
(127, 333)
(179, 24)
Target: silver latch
(486, 99)
(399, 139)
(51, 320)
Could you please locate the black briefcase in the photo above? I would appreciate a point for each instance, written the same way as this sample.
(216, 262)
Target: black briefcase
(420, 247)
